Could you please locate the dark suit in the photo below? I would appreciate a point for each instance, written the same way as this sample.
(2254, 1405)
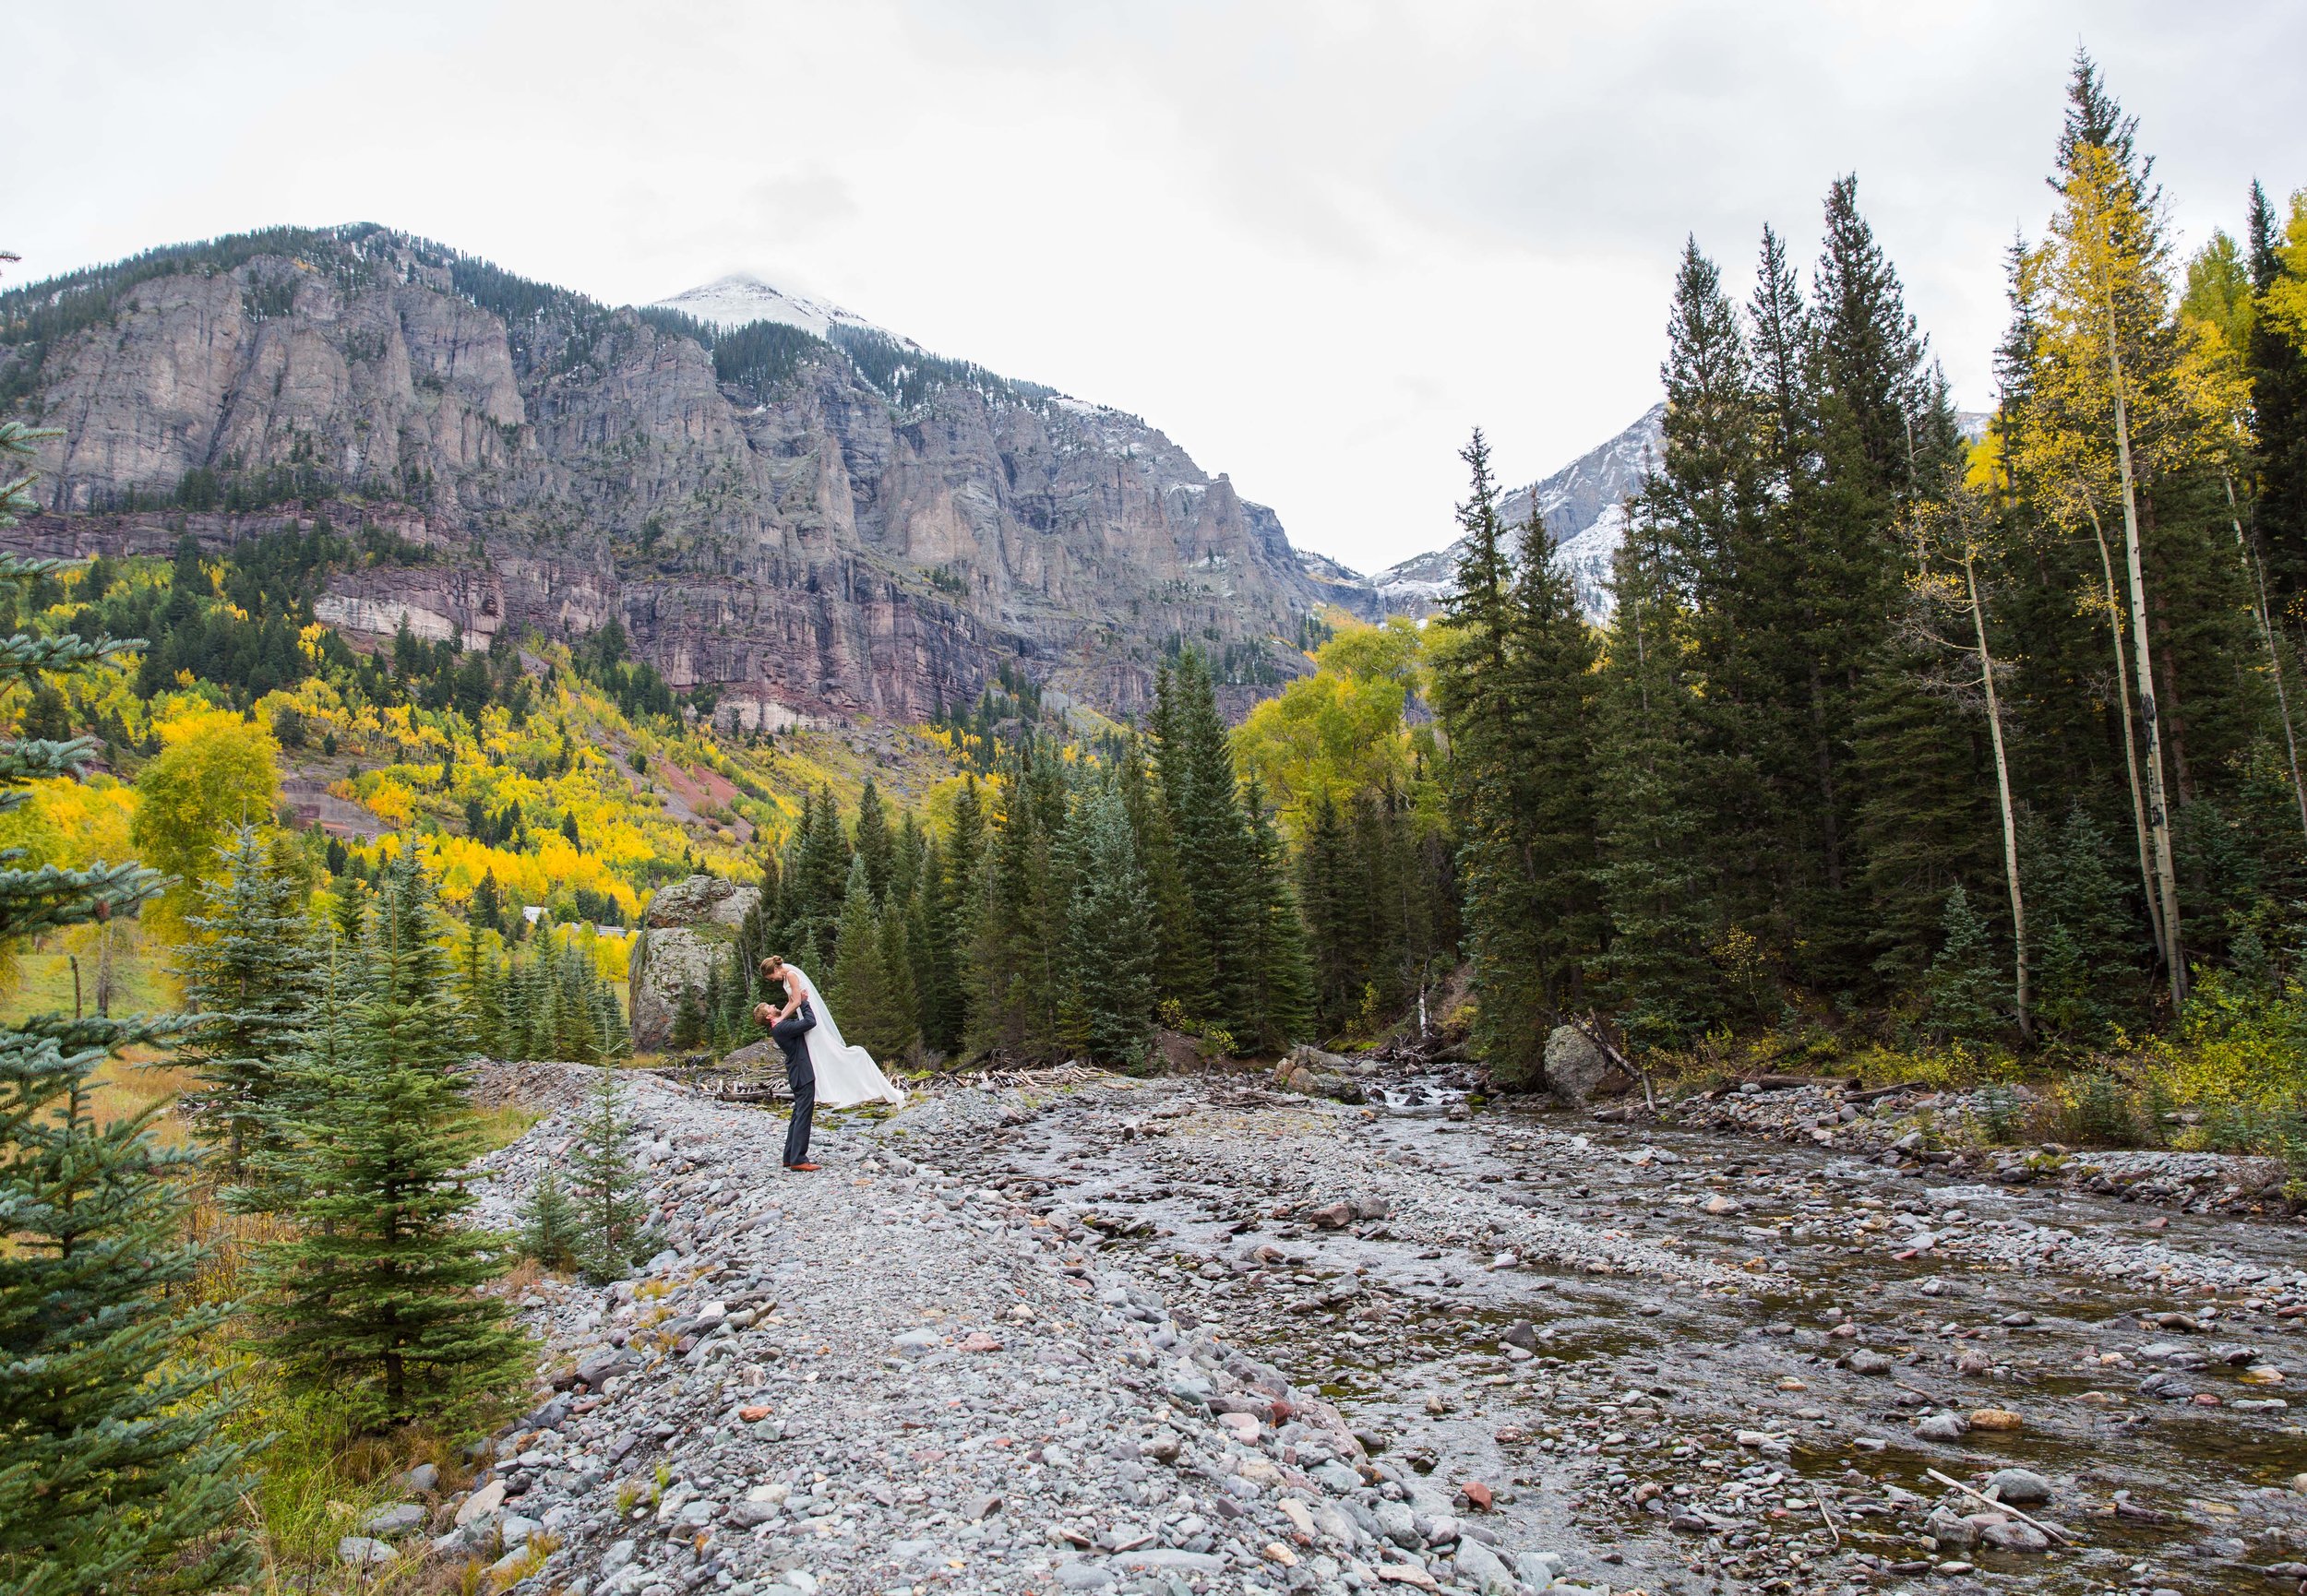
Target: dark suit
(790, 1032)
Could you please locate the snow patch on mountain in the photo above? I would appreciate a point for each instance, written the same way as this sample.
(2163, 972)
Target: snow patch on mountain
(741, 298)
(1584, 507)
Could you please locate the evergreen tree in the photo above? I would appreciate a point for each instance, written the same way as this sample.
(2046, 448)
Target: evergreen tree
(1111, 948)
(375, 1304)
(1964, 986)
(251, 971)
(2277, 364)
(1655, 877)
(1336, 933)
(873, 844)
(604, 1187)
(1514, 686)
(2090, 954)
(549, 1230)
(112, 1472)
(689, 1020)
(1279, 1011)
(488, 906)
(1212, 978)
(864, 991)
(1014, 957)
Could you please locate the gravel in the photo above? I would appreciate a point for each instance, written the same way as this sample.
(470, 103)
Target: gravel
(879, 1376)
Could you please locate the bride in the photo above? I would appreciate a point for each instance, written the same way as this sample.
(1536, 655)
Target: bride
(844, 1075)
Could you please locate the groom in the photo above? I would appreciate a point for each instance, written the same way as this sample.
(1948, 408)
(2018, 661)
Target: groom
(791, 1024)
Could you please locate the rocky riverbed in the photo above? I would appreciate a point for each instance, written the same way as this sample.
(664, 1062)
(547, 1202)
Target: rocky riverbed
(1195, 1335)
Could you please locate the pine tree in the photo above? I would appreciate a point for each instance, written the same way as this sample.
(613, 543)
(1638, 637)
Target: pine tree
(2278, 367)
(488, 904)
(252, 973)
(375, 1304)
(689, 1020)
(604, 1187)
(1963, 988)
(1014, 959)
(114, 1475)
(1111, 948)
(1336, 933)
(873, 844)
(1205, 821)
(1279, 1012)
(864, 991)
(1653, 876)
(2090, 955)
(549, 1232)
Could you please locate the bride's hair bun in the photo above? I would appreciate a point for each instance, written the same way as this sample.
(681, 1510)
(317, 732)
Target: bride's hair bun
(773, 958)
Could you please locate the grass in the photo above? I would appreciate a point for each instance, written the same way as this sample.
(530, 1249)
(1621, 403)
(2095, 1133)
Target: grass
(41, 980)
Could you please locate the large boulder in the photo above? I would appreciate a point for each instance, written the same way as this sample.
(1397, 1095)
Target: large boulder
(1318, 1074)
(691, 925)
(1577, 1070)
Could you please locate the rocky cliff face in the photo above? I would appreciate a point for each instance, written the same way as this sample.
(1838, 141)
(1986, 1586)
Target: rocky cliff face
(845, 529)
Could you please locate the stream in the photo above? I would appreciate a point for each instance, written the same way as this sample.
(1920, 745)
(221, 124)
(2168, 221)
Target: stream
(1694, 1364)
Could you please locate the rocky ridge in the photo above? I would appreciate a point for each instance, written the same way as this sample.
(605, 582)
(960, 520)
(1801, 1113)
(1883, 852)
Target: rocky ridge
(837, 526)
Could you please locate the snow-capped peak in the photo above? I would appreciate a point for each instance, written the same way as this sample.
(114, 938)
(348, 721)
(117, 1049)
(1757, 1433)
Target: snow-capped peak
(741, 297)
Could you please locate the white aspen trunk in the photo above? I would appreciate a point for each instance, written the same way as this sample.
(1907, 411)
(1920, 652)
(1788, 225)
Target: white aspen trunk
(2157, 807)
(2129, 743)
(2002, 794)
(2266, 636)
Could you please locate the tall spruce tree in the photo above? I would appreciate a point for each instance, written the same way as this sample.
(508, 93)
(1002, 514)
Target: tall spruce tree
(1515, 688)
(113, 1472)
(252, 973)
(1111, 943)
(1204, 802)
(1654, 875)
(1279, 1010)
(376, 1305)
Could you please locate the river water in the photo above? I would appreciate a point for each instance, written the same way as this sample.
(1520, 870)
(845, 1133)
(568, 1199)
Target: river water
(1687, 1408)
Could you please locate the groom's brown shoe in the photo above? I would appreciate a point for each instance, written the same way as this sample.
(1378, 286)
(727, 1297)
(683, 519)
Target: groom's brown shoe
(802, 1168)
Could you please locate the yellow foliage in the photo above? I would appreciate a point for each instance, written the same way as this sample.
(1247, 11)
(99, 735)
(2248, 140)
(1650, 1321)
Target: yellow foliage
(2285, 302)
(1341, 730)
(216, 771)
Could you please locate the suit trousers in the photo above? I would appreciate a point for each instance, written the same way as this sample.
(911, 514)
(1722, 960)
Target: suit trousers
(792, 1033)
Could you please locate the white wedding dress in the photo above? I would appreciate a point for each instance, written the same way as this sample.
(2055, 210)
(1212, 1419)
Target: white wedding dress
(846, 1074)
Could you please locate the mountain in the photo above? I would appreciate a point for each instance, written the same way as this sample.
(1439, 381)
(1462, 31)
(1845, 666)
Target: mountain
(1583, 505)
(733, 301)
(801, 514)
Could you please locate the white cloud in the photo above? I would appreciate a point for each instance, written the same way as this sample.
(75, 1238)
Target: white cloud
(1315, 240)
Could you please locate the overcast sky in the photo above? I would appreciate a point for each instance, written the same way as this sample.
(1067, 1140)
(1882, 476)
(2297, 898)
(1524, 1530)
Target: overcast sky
(1316, 243)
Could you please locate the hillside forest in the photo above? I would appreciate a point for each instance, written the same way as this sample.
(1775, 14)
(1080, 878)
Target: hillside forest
(1949, 756)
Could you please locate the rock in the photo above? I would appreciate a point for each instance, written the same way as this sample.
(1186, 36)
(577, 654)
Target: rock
(423, 1479)
(482, 1503)
(1477, 1495)
(362, 1552)
(1950, 1530)
(691, 925)
(1522, 1333)
(918, 1342)
(1335, 1217)
(1480, 1566)
(1943, 1426)
(515, 1529)
(397, 1520)
(2012, 1536)
(2022, 1486)
(1863, 1362)
(1996, 1419)
(1575, 1068)
(1084, 1576)
(1243, 1427)
(1721, 1204)
(982, 1506)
